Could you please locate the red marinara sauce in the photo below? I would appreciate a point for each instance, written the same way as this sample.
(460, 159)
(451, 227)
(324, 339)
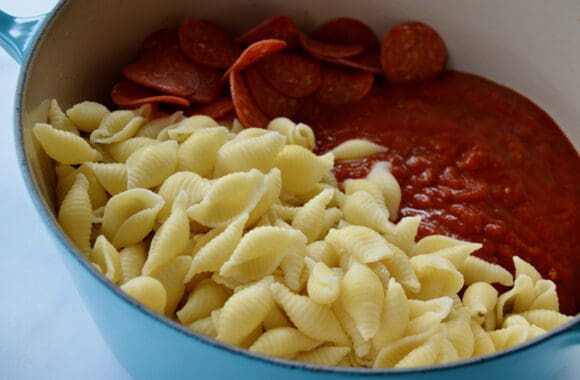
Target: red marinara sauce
(476, 161)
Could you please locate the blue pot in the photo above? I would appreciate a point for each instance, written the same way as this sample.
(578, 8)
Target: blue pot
(75, 52)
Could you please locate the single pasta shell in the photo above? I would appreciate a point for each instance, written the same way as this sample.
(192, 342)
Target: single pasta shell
(211, 256)
(361, 242)
(63, 146)
(283, 342)
(206, 297)
(381, 176)
(327, 355)
(354, 149)
(229, 197)
(301, 169)
(107, 257)
(149, 291)
(193, 184)
(361, 208)
(361, 293)
(130, 216)
(168, 242)
(198, 153)
(243, 154)
(260, 251)
(75, 214)
(171, 276)
(87, 115)
(150, 165)
(310, 218)
(244, 311)
(112, 176)
(316, 321)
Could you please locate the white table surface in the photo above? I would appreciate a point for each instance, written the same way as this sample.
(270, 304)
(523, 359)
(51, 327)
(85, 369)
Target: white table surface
(45, 330)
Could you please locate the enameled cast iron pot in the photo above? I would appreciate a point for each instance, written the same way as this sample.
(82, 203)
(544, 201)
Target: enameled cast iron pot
(75, 53)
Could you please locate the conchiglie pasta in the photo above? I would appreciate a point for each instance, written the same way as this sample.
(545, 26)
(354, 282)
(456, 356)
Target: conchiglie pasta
(64, 146)
(169, 241)
(132, 260)
(260, 251)
(296, 134)
(394, 352)
(256, 152)
(360, 345)
(438, 277)
(273, 184)
(356, 149)
(327, 355)
(229, 197)
(150, 165)
(76, 214)
(86, 115)
(59, 119)
(361, 292)
(204, 326)
(152, 128)
(198, 153)
(316, 321)
(121, 151)
(361, 208)
(171, 276)
(148, 291)
(283, 342)
(107, 257)
(323, 284)
(186, 127)
(206, 297)
(191, 183)
(130, 216)
(310, 218)
(218, 250)
(301, 169)
(361, 242)
(112, 176)
(475, 269)
(244, 311)
(117, 126)
(381, 176)
(403, 233)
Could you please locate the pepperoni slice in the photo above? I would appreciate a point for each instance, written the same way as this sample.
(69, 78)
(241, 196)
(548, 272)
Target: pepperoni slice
(215, 110)
(412, 52)
(317, 48)
(278, 27)
(367, 61)
(207, 44)
(255, 52)
(342, 85)
(129, 94)
(246, 109)
(162, 41)
(210, 85)
(270, 101)
(292, 74)
(345, 30)
(172, 74)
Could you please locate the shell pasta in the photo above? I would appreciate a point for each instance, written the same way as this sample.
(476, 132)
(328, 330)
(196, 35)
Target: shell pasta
(245, 236)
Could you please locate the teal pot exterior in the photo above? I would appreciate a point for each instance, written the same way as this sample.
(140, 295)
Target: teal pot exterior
(147, 344)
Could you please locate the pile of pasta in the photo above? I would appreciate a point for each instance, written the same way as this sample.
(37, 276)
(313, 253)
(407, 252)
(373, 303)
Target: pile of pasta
(244, 235)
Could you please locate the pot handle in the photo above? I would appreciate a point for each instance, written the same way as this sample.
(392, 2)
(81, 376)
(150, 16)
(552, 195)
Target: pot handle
(16, 33)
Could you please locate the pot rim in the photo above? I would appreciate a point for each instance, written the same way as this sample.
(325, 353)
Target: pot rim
(49, 221)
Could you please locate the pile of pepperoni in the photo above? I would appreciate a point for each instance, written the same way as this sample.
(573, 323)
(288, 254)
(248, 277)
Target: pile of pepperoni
(274, 68)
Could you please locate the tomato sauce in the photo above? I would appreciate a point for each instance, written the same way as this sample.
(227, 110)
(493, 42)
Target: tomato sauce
(476, 161)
